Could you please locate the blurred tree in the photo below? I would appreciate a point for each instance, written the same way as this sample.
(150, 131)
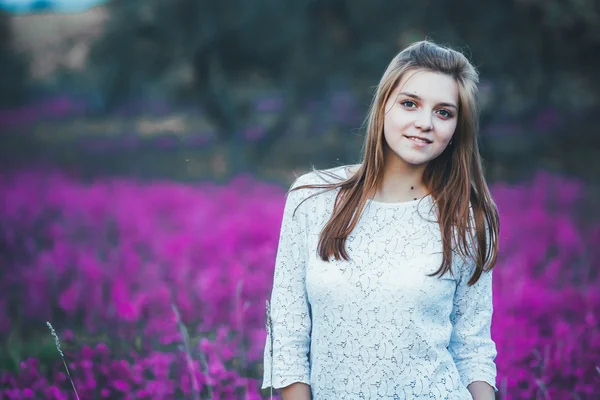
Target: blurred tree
(222, 44)
(568, 38)
(13, 67)
(213, 51)
(535, 53)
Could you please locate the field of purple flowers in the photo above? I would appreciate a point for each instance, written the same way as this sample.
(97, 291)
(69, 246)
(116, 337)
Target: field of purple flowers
(157, 289)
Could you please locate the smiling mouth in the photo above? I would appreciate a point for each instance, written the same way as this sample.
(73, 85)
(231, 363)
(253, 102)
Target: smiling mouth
(418, 139)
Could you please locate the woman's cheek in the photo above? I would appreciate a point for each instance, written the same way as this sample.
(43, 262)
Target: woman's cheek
(398, 121)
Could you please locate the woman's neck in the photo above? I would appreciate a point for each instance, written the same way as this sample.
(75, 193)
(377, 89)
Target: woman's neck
(398, 185)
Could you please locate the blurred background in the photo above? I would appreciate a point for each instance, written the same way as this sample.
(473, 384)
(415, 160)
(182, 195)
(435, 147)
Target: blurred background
(146, 146)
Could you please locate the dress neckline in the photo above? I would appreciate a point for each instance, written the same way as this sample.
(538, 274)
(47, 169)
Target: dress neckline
(399, 204)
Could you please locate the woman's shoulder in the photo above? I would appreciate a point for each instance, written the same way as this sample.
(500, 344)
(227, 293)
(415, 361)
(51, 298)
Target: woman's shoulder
(319, 199)
(324, 176)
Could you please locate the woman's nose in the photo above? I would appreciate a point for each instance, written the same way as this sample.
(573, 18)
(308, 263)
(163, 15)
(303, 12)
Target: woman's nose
(423, 121)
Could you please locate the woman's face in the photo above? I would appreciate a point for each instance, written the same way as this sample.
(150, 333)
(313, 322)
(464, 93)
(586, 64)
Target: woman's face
(423, 105)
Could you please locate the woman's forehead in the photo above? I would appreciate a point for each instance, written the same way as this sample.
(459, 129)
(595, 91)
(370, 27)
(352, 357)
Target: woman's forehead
(429, 86)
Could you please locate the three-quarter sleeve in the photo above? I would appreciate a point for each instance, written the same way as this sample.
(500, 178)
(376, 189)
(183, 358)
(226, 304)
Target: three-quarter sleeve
(471, 345)
(286, 359)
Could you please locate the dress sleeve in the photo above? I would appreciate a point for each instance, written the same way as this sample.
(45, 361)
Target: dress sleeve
(471, 345)
(286, 359)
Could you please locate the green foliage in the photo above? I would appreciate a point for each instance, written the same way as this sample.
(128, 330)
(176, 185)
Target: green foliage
(533, 55)
(202, 48)
(13, 71)
(18, 348)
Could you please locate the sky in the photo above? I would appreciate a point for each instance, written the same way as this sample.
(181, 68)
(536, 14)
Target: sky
(26, 6)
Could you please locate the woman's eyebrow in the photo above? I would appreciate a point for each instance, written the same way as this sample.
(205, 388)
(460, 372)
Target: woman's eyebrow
(414, 96)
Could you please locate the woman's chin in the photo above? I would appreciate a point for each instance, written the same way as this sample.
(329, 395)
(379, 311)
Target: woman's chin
(414, 159)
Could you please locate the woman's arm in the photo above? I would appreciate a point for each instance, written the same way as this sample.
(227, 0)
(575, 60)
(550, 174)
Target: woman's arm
(296, 391)
(289, 321)
(471, 345)
(481, 391)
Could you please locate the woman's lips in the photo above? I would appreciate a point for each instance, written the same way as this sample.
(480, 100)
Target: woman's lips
(418, 142)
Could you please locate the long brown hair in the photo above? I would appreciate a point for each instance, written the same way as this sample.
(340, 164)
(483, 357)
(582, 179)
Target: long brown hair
(455, 178)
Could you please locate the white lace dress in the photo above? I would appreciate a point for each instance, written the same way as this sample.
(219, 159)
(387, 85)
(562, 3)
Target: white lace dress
(375, 327)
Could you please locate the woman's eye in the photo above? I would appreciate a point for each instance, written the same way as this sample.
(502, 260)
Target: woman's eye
(408, 104)
(445, 113)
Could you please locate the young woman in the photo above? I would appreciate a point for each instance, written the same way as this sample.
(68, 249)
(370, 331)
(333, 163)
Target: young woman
(383, 285)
